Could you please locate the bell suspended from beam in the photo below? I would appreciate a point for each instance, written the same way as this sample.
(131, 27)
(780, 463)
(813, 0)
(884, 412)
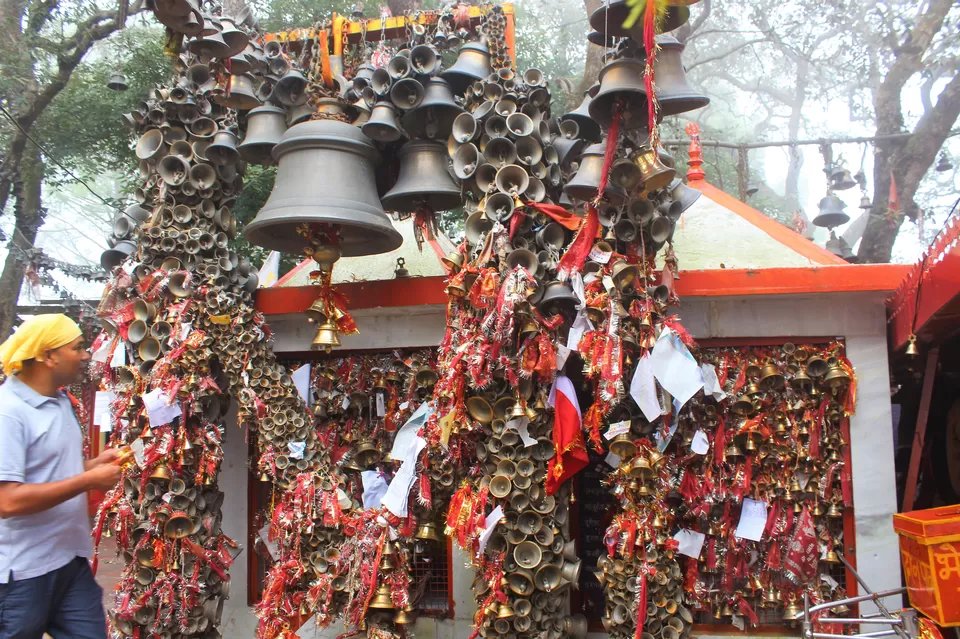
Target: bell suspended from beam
(621, 79)
(117, 82)
(674, 94)
(424, 181)
(265, 126)
(588, 128)
(473, 63)
(608, 20)
(831, 212)
(434, 116)
(325, 178)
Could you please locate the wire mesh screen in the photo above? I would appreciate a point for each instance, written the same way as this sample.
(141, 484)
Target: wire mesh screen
(431, 579)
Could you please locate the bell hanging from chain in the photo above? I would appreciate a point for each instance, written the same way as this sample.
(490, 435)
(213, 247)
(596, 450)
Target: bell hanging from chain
(608, 20)
(327, 337)
(674, 93)
(584, 184)
(621, 79)
(424, 180)
(434, 116)
(831, 212)
(325, 178)
(841, 180)
(265, 126)
(473, 63)
(589, 129)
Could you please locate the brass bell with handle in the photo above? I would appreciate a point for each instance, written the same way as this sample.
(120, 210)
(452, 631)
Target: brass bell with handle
(423, 181)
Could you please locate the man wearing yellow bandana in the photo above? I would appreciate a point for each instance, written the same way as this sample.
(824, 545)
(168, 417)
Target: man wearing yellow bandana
(45, 581)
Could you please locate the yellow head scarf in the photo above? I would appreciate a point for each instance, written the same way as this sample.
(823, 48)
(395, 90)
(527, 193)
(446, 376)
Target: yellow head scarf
(34, 337)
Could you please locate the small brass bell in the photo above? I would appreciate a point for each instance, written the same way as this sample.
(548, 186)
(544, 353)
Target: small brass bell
(770, 377)
(831, 212)
(836, 377)
(835, 511)
(405, 617)
(832, 557)
(427, 531)
(640, 468)
(382, 600)
(327, 337)
(161, 472)
(504, 611)
(792, 611)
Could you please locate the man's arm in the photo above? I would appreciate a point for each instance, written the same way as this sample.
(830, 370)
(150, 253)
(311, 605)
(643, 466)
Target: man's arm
(18, 498)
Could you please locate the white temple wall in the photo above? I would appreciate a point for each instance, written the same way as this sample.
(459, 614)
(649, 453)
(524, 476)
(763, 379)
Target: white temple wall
(858, 318)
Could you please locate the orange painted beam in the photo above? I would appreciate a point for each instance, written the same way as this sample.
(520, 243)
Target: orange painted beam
(405, 291)
(790, 281)
(418, 291)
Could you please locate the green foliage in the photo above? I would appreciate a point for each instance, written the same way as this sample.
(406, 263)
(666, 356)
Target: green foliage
(257, 185)
(82, 126)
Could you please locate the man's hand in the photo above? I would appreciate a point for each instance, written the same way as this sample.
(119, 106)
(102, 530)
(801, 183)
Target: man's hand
(109, 456)
(103, 477)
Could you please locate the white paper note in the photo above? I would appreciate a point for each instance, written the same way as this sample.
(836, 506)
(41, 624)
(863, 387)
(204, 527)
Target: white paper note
(159, 409)
(137, 449)
(295, 449)
(711, 383)
(398, 492)
(102, 354)
(617, 429)
(753, 519)
(408, 432)
(675, 368)
(381, 406)
(700, 444)
(185, 329)
(737, 622)
(598, 256)
(374, 488)
(119, 356)
(271, 546)
(102, 416)
(643, 389)
(301, 379)
(490, 527)
(562, 354)
(691, 542)
(580, 326)
(521, 424)
(612, 459)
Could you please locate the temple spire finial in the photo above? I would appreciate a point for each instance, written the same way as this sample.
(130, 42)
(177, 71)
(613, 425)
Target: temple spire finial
(694, 154)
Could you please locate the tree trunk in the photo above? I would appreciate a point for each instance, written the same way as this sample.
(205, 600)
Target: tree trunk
(795, 162)
(28, 218)
(910, 161)
(594, 62)
(400, 7)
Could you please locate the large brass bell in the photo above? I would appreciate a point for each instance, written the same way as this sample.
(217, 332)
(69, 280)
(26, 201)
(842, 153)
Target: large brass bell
(423, 180)
(673, 93)
(584, 184)
(621, 79)
(434, 116)
(265, 126)
(291, 89)
(473, 63)
(382, 125)
(831, 212)
(242, 94)
(611, 16)
(589, 129)
(325, 176)
(683, 194)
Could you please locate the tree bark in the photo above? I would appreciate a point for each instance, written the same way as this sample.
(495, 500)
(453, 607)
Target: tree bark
(39, 96)
(400, 7)
(28, 218)
(594, 62)
(906, 161)
(795, 161)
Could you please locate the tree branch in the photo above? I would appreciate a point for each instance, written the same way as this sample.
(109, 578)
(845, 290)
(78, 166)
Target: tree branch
(773, 92)
(721, 56)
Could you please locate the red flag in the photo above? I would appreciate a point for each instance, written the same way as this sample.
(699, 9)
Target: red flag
(571, 453)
